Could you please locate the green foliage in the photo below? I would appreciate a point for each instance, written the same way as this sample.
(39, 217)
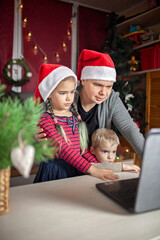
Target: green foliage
(121, 53)
(7, 74)
(120, 50)
(15, 118)
(137, 103)
(2, 88)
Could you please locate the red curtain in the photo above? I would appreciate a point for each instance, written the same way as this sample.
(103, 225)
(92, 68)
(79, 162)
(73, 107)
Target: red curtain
(6, 35)
(91, 29)
(48, 22)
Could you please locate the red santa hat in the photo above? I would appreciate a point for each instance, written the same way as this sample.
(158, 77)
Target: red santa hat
(95, 65)
(50, 75)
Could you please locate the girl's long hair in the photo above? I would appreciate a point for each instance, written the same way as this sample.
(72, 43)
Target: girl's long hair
(83, 133)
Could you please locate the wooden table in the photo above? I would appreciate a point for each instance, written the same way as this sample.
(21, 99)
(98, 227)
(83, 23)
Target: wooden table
(73, 209)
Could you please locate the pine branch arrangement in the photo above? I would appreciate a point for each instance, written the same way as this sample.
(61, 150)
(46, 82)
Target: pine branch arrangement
(16, 118)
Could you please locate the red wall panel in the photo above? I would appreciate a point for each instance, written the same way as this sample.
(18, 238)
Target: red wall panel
(91, 29)
(6, 35)
(48, 22)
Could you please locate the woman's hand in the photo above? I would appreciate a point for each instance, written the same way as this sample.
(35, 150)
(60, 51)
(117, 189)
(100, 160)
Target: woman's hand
(103, 174)
(40, 135)
(130, 167)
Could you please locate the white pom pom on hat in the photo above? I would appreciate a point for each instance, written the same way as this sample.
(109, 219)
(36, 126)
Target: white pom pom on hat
(95, 65)
(50, 75)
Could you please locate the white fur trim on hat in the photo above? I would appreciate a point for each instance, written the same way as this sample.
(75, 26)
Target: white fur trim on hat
(98, 73)
(51, 81)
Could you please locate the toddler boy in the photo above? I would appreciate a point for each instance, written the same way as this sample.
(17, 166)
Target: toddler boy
(104, 146)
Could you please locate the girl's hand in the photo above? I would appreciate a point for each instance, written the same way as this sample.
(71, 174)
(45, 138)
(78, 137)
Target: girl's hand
(130, 167)
(103, 174)
(40, 135)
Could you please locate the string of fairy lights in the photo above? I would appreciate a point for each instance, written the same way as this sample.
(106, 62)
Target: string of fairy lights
(36, 47)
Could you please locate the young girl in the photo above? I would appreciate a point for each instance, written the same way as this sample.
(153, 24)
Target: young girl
(62, 123)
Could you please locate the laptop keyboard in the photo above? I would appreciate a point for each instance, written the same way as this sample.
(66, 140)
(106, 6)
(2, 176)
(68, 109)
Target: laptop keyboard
(127, 195)
(123, 192)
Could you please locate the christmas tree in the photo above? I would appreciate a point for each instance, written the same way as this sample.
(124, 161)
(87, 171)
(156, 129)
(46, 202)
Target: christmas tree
(121, 49)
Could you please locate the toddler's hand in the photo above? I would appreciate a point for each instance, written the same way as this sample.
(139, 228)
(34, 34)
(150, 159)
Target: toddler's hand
(103, 174)
(131, 167)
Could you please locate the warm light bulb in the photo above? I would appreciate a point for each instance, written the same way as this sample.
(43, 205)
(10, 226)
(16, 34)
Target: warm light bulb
(69, 35)
(20, 7)
(127, 150)
(29, 36)
(45, 60)
(24, 22)
(57, 57)
(64, 47)
(71, 22)
(35, 50)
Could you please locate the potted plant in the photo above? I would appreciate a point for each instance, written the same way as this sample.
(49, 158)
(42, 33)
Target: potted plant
(18, 123)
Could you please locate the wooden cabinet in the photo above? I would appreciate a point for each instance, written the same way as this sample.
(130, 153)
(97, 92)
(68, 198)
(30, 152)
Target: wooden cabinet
(153, 100)
(148, 20)
(152, 110)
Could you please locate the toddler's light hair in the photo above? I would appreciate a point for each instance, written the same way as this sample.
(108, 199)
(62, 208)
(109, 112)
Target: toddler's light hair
(102, 135)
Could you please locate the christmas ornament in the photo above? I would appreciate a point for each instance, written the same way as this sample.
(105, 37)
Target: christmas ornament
(129, 102)
(134, 64)
(22, 157)
(7, 72)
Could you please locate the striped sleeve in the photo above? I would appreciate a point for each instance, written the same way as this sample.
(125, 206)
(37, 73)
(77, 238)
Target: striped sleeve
(66, 152)
(89, 157)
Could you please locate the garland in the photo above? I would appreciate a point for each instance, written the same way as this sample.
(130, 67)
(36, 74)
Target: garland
(7, 72)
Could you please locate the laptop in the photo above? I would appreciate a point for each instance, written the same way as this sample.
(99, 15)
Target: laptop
(139, 194)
